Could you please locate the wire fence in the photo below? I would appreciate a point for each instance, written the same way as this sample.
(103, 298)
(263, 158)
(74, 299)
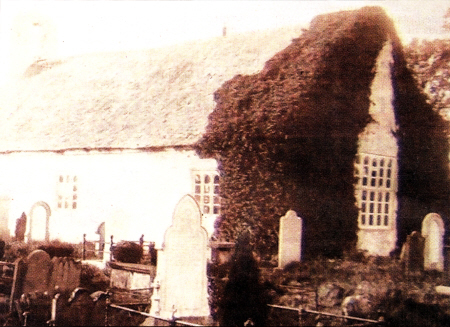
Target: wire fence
(174, 321)
(302, 313)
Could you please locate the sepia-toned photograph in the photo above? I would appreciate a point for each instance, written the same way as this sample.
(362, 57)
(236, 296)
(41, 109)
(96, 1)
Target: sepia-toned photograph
(225, 163)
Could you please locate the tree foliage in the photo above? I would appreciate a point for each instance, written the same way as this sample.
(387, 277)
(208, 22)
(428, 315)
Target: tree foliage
(430, 63)
(286, 138)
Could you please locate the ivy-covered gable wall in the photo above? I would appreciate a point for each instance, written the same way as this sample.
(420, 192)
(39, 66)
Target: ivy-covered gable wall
(286, 138)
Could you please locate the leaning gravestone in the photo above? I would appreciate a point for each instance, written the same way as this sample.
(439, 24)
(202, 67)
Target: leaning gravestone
(433, 231)
(290, 242)
(38, 272)
(182, 275)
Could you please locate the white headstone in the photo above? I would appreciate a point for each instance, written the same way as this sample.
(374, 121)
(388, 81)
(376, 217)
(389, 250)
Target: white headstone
(433, 231)
(182, 275)
(290, 239)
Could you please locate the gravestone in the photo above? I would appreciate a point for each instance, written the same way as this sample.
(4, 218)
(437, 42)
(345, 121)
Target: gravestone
(433, 231)
(412, 253)
(181, 271)
(38, 273)
(5, 203)
(65, 274)
(290, 241)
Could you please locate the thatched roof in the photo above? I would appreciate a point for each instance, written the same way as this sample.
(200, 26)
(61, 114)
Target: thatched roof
(136, 99)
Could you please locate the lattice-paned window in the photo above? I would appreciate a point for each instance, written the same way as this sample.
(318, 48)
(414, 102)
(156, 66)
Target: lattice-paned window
(67, 192)
(206, 192)
(375, 190)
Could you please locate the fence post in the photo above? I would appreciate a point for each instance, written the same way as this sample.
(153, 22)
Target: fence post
(111, 248)
(84, 246)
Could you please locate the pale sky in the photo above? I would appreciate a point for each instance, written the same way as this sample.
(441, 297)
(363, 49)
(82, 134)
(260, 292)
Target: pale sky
(55, 29)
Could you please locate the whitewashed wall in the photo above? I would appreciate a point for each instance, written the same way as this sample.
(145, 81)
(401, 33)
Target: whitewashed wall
(378, 139)
(134, 192)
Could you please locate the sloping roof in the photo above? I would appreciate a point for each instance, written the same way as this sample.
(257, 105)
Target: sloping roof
(135, 99)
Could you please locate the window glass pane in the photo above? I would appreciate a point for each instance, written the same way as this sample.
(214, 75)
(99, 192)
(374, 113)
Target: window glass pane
(374, 173)
(74, 205)
(381, 172)
(387, 197)
(206, 188)
(380, 196)
(197, 179)
(380, 182)
(66, 204)
(372, 196)
(379, 207)
(388, 183)
(216, 200)
(378, 220)
(371, 220)
(74, 196)
(216, 189)
(216, 179)
(67, 178)
(74, 179)
(364, 195)
(363, 219)
(390, 163)
(388, 173)
(374, 162)
(366, 160)
(205, 209)
(197, 198)
(382, 163)
(371, 208)
(207, 179)
(373, 182)
(386, 208)
(61, 179)
(197, 189)
(386, 220)
(364, 181)
(216, 210)
(206, 199)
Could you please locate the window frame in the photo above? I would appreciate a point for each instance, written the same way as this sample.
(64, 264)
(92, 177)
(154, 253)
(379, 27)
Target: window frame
(67, 192)
(206, 191)
(375, 190)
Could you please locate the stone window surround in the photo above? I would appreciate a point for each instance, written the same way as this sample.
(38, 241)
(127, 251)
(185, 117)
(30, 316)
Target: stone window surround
(375, 190)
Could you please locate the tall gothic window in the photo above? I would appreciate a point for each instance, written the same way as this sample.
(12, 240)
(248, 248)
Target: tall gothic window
(375, 190)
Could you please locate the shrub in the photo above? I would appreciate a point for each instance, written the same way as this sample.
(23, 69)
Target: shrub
(244, 298)
(128, 252)
(58, 249)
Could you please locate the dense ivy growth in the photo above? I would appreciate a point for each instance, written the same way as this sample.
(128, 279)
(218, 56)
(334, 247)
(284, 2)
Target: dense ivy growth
(286, 138)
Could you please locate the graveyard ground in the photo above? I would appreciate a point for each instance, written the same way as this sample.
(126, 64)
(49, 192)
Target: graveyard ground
(319, 284)
(322, 284)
